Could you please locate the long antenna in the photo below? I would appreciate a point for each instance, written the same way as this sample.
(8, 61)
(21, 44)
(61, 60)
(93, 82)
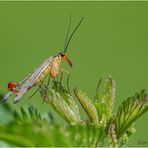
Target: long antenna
(67, 32)
(72, 34)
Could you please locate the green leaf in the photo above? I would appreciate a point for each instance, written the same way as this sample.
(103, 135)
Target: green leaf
(66, 111)
(58, 87)
(43, 134)
(6, 113)
(104, 103)
(87, 105)
(125, 137)
(97, 89)
(24, 114)
(31, 128)
(130, 110)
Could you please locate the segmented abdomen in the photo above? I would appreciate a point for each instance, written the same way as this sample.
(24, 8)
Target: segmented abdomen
(43, 75)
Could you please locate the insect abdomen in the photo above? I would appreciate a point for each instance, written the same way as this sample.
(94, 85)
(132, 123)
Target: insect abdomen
(43, 75)
(55, 65)
(52, 70)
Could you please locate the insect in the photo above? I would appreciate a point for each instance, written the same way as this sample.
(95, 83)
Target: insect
(51, 66)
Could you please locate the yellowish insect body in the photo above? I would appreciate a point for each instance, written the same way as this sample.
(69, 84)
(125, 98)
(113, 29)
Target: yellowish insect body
(53, 69)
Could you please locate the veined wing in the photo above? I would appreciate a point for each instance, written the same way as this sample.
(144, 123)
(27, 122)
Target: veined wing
(7, 95)
(38, 67)
(35, 71)
(31, 79)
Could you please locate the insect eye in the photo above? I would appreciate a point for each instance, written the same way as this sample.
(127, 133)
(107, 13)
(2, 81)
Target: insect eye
(62, 54)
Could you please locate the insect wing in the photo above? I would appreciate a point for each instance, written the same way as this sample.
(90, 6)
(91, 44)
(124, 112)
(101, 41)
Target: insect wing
(31, 80)
(38, 67)
(7, 96)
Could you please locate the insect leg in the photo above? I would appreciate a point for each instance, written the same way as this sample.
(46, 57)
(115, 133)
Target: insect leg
(68, 84)
(47, 84)
(46, 87)
(35, 91)
(42, 92)
(63, 70)
(61, 77)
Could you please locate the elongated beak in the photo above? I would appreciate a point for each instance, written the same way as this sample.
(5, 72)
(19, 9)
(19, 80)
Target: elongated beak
(67, 60)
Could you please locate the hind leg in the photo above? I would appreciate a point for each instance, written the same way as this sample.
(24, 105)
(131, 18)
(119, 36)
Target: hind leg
(46, 87)
(36, 90)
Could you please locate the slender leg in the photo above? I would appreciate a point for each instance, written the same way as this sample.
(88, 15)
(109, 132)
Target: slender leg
(48, 81)
(42, 89)
(34, 93)
(36, 90)
(68, 84)
(54, 83)
(63, 70)
(47, 85)
(61, 77)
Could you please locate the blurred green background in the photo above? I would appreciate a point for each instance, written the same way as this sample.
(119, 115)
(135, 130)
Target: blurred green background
(112, 40)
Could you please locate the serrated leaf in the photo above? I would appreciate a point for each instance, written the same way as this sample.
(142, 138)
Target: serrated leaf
(87, 105)
(104, 103)
(60, 105)
(24, 114)
(16, 140)
(129, 111)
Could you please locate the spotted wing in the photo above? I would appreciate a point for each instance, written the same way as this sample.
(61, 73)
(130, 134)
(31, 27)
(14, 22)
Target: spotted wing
(31, 80)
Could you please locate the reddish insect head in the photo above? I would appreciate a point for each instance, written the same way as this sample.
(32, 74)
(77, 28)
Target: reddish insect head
(64, 57)
(67, 60)
(12, 86)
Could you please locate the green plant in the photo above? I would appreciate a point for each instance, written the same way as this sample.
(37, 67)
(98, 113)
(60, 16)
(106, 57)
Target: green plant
(103, 126)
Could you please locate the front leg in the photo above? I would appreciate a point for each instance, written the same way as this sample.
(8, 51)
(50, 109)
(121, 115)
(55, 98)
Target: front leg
(63, 70)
